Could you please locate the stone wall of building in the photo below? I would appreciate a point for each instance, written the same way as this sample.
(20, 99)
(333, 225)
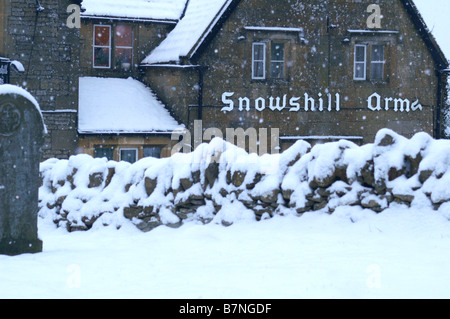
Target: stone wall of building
(49, 51)
(60, 142)
(318, 60)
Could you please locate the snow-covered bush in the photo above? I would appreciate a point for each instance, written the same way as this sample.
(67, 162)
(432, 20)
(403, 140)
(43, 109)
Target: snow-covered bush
(222, 183)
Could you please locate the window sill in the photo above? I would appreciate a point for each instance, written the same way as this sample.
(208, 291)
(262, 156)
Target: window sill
(270, 81)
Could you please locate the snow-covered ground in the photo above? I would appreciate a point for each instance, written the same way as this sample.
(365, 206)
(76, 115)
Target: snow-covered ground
(354, 253)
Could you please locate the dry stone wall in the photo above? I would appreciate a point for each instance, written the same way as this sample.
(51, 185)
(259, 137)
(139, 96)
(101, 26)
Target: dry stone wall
(223, 184)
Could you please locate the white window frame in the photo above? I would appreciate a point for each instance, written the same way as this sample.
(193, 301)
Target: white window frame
(101, 46)
(263, 60)
(360, 62)
(129, 149)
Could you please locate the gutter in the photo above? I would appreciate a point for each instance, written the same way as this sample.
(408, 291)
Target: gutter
(440, 74)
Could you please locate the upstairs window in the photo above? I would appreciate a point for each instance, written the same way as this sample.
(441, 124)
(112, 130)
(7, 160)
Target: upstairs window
(259, 61)
(102, 46)
(113, 48)
(369, 62)
(275, 56)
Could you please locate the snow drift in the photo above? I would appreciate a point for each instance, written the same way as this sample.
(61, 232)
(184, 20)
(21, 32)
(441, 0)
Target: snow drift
(221, 183)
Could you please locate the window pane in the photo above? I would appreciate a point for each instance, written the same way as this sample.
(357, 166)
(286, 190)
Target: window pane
(258, 52)
(360, 53)
(124, 36)
(277, 51)
(101, 57)
(129, 156)
(102, 35)
(123, 56)
(377, 53)
(152, 152)
(376, 71)
(107, 152)
(277, 70)
(360, 70)
(258, 70)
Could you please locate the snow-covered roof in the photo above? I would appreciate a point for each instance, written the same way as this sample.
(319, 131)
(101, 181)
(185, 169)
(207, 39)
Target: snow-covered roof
(112, 105)
(135, 9)
(185, 38)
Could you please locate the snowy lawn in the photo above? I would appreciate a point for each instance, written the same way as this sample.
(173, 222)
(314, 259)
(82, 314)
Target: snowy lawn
(354, 253)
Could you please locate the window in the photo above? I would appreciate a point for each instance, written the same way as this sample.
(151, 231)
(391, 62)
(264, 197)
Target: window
(277, 61)
(360, 62)
(123, 52)
(107, 152)
(152, 151)
(259, 57)
(377, 63)
(129, 155)
(113, 49)
(372, 54)
(259, 61)
(102, 46)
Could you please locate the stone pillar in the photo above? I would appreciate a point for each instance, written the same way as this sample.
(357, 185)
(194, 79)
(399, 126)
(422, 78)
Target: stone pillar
(21, 138)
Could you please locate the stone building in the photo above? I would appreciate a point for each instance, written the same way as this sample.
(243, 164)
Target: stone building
(119, 84)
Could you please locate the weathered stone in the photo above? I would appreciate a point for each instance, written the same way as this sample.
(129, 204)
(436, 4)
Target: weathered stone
(238, 178)
(71, 176)
(287, 193)
(387, 140)
(111, 172)
(380, 187)
(212, 173)
(186, 183)
(21, 138)
(406, 198)
(95, 180)
(128, 186)
(196, 177)
(150, 185)
(319, 206)
(270, 197)
(394, 173)
(223, 192)
(256, 179)
(425, 175)
(367, 174)
(149, 223)
(413, 164)
(323, 192)
(89, 221)
(60, 200)
(197, 202)
(131, 212)
(373, 202)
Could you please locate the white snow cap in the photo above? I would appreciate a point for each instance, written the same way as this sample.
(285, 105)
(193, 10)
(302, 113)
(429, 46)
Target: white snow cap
(13, 89)
(200, 17)
(143, 9)
(111, 105)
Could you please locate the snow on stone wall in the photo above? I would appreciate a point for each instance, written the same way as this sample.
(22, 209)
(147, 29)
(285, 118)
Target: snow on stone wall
(223, 184)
